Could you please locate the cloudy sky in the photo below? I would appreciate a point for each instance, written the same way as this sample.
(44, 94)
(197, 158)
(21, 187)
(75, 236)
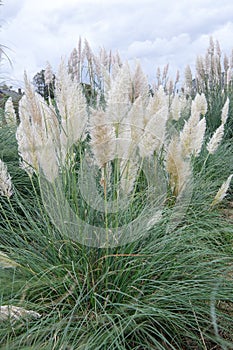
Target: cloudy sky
(155, 31)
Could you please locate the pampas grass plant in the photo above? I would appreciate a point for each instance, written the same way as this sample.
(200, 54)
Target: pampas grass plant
(169, 285)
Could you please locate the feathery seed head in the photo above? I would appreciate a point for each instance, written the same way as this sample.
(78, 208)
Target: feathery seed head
(199, 104)
(188, 79)
(72, 108)
(5, 181)
(178, 168)
(222, 191)
(9, 113)
(176, 107)
(225, 110)
(140, 84)
(154, 133)
(102, 138)
(48, 74)
(215, 140)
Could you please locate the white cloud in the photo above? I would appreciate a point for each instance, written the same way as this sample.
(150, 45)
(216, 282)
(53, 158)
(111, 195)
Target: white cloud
(157, 32)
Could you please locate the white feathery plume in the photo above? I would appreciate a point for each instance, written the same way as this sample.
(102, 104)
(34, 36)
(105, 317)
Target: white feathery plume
(106, 80)
(198, 141)
(117, 59)
(158, 101)
(154, 133)
(185, 104)
(170, 87)
(226, 63)
(208, 64)
(136, 120)
(158, 76)
(176, 107)
(192, 135)
(32, 102)
(116, 65)
(98, 66)
(229, 77)
(211, 46)
(74, 63)
(187, 137)
(72, 107)
(9, 113)
(177, 76)
(125, 144)
(140, 84)
(178, 168)
(6, 262)
(165, 71)
(16, 313)
(200, 69)
(27, 147)
(38, 127)
(90, 61)
(218, 49)
(222, 191)
(199, 104)
(104, 57)
(5, 181)
(47, 157)
(225, 110)
(118, 107)
(188, 79)
(217, 69)
(88, 51)
(231, 59)
(215, 140)
(48, 74)
(118, 99)
(103, 138)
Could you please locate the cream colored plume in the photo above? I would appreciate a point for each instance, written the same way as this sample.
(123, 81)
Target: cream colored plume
(5, 181)
(140, 85)
(158, 101)
(48, 74)
(188, 79)
(199, 105)
(176, 107)
(215, 140)
(6, 262)
(37, 133)
(118, 98)
(154, 133)
(136, 119)
(72, 108)
(103, 138)
(27, 147)
(225, 110)
(11, 312)
(9, 113)
(217, 137)
(178, 168)
(222, 191)
(192, 135)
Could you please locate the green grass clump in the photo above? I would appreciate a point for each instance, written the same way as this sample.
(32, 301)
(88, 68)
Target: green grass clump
(168, 290)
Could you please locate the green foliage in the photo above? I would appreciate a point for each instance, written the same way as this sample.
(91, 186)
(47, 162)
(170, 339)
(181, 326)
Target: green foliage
(166, 291)
(163, 292)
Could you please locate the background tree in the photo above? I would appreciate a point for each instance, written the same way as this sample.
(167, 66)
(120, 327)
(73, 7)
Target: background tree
(46, 90)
